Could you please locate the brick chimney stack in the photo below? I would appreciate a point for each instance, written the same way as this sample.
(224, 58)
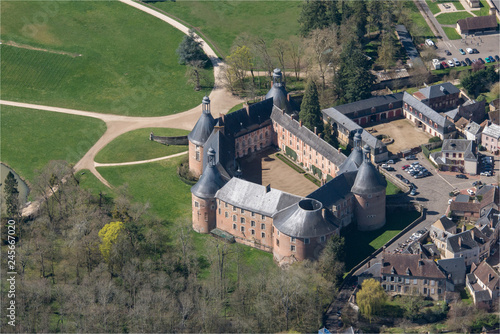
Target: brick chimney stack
(315, 130)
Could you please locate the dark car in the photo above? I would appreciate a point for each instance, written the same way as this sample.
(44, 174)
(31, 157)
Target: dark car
(492, 59)
(497, 58)
(448, 53)
(390, 169)
(461, 176)
(467, 61)
(406, 181)
(480, 60)
(475, 51)
(476, 183)
(399, 176)
(463, 63)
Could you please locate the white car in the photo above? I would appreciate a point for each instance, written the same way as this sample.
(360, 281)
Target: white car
(429, 42)
(469, 50)
(451, 63)
(450, 200)
(485, 174)
(390, 161)
(385, 166)
(471, 192)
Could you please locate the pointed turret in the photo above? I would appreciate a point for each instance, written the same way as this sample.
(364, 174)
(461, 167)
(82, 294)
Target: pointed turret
(198, 136)
(280, 95)
(368, 180)
(355, 159)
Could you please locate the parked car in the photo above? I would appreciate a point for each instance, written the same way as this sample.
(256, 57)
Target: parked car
(413, 185)
(399, 176)
(385, 165)
(451, 63)
(443, 63)
(404, 167)
(475, 51)
(485, 173)
(455, 60)
(469, 50)
(429, 42)
(413, 192)
(468, 61)
(390, 169)
(450, 200)
(463, 63)
(461, 176)
(406, 181)
(471, 192)
(448, 53)
(462, 52)
(390, 161)
(476, 183)
(480, 60)
(497, 58)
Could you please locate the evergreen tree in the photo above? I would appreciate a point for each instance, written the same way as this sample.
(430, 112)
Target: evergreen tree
(329, 135)
(310, 111)
(11, 195)
(190, 51)
(318, 14)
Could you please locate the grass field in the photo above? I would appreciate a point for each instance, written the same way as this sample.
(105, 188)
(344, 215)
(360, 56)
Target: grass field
(127, 66)
(391, 188)
(452, 18)
(223, 21)
(361, 244)
(418, 19)
(31, 138)
(451, 33)
(433, 5)
(88, 181)
(135, 145)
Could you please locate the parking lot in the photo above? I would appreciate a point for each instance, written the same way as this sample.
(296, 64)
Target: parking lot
(487, 45)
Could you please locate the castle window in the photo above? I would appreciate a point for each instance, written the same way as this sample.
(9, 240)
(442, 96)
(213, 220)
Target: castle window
(306, 241)
(206, 216)
(226, 214)
(226, 205)
(196, 204)
(197, 155)
(292, 248)
(234, 208)
(242, 211)
(263, 235)
(267, 133)
(234, 218)
(237, 145)
(234, 226)
(242, 220)
(252, 223)
(390, 105)
(277, 242)
(260, 136)
(243, 229)
(252, 231)
(262, 226)
(322, 238)
(253, 214)
(277, 232)
(263, 217)
(292, 239)
(219, 211)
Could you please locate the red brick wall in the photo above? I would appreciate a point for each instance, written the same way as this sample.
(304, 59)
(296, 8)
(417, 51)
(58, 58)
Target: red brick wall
(283, 252)
(370, 212)
(256, 240)
(204, 219)
(195, 166)
(253, 141)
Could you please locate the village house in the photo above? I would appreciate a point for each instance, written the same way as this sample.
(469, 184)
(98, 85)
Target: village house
(486, 198)
(472, 245)
(490, 138)
(454, 269)
(457, 155)
(439, 97)
(483, 285)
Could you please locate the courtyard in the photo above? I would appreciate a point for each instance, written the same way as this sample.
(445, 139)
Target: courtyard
(265, 168)
(404, 133)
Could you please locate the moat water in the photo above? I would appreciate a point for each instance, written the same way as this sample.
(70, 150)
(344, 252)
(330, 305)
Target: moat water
(21, 186)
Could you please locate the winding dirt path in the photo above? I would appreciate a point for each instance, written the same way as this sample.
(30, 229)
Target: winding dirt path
(221, 101)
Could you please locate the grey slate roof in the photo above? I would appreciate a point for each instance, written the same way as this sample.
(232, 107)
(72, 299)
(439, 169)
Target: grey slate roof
(202, 129)
(427, 111)
(209, 183)
(492, 130)
(368, 180)
(351, 126)
(279, 94)
(462, 198)
(490, 216)
(253, 197)
(467, 241)
(454, 266)
(434, 91)
(452, 114)
(305, 219)
(473, 128)
(460, 145)
(308, 137)
(243, 121)
(407, 43)
(334, 190)
(354, 160)
(377, 102)
(224, 153)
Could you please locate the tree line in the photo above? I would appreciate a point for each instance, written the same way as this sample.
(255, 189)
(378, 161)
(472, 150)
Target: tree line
(90, 263)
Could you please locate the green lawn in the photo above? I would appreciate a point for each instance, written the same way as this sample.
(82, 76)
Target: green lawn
(391, 189)
(484, 9)
(360, 245)
(135, 145)
(433, 5)
(223, 21)
(452, 18)
(127, 66)
(417, 18)
(88, 181)
(451, 33)
(31, 138)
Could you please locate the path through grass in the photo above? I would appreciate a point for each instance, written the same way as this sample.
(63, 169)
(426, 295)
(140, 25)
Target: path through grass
(135, 145)
(31, 138)
(127, 66)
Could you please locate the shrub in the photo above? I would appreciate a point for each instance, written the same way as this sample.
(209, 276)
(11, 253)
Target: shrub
(434, 140)
(185, 174)
(291, 153)
(289, 163)
(317, 171)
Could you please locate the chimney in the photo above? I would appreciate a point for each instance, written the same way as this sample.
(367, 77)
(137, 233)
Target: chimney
(247, 107)
(222, 117)
(268, 188)
(282, 112)
(460, 242)
(300, 123)
(288, 97)
(420, 263)
(464, 228)
(319, 135)
(339, 150)
(315, 130)
(368, 264)
(472, 234)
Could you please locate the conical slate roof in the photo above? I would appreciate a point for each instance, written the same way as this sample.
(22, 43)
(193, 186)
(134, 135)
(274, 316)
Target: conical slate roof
(210, 181)
(368, 180)
(355, 159)
(279, 94)
(303, 220)
(204, 126)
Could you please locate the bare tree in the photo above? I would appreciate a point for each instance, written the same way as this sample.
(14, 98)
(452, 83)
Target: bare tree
(323, 49)
(297, 50)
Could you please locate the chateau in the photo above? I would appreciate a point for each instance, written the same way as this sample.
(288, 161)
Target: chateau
(292, 227)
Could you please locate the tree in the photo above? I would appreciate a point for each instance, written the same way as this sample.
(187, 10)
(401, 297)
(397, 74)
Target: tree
(329, 136)
(195, 74)
(109, 234)
(387, 51)
(296, 48)
(310, 112)
(190, 49)
(331, 260)
(11, 195)
(238, 63)
(371, 298)
(323, 51)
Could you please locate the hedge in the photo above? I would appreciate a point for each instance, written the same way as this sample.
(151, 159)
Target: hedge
(317, 171)
(289, 163)
(313, 179)
(291, 153)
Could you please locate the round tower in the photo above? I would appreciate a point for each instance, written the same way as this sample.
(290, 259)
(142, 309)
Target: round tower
(301, 231)
(355, 159)
(369, 192)
(280, 95)
(198, 136)
(203, 196)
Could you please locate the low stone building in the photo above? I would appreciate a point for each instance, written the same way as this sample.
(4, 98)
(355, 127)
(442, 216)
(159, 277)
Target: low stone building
(472, 131)
(439, 97)
(454, 269)
(483, 285)
(457, 155)
(477, 24)
(472, 245)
